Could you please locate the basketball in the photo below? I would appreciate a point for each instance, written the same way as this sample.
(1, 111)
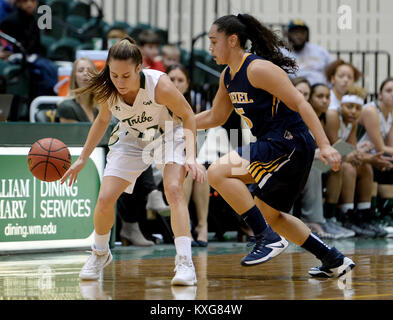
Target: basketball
(48, 159)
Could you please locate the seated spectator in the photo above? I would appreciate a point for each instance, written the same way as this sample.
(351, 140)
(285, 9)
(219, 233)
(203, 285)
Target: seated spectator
(357, 175)
(311, 211)
(312, 59)
(340, 75)
(22, 25)
(149, 42)
(303, 85)
(82, 108)
(114, 35)
(170, 54)
(376, 118)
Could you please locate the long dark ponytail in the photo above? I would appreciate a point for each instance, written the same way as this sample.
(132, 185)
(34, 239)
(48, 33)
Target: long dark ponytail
(264, 42)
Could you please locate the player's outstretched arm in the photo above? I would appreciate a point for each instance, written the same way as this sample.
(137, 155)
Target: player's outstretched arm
(96, 132)
(265, 75)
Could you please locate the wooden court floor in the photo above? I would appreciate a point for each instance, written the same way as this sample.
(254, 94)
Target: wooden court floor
(145, 274)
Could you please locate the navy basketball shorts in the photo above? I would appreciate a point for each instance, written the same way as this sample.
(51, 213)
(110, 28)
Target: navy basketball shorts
(280, 168)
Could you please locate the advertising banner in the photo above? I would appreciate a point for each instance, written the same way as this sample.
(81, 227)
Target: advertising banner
(39, 215)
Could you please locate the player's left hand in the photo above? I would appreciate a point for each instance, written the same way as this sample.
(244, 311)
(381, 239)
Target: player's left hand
(197, 170)
(328, 153)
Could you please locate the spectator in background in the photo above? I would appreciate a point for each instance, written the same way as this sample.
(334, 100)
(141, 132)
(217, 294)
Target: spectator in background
(311, 211)
(82, 108)
(311, 58)
(357, 174)
(6, 7)
(377, 119)
(303, 85)
(114, 35)
(22, 25)
(340, 74)
(170, 55)
(149, 42)
(200, 192)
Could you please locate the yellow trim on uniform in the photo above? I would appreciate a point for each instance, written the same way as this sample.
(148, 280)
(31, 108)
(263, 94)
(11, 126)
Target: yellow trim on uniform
(258, 169)
(241, 64)
(273, 104)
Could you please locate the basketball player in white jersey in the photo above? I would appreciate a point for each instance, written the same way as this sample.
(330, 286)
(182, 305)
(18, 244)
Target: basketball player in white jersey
(152, 114)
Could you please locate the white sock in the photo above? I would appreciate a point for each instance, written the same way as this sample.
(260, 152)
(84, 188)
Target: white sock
(101, 241)
(344, 207)
(183, 246)
(364, 205)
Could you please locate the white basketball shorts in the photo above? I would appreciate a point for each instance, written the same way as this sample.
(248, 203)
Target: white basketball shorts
(127, 160)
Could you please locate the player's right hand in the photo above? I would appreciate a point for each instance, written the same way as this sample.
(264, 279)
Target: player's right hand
(73, 171)
(328, 153)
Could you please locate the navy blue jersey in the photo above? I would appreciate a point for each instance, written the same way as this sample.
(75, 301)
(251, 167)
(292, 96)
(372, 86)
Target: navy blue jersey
(281, 158)
(266, 116)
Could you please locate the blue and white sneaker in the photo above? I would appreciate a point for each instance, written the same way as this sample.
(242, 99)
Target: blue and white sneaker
(265, 249)
(334, 265)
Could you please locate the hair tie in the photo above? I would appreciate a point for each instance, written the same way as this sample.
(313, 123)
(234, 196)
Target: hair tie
(240, 17)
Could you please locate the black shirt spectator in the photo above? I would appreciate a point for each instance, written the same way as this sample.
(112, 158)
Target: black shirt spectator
(24, 28)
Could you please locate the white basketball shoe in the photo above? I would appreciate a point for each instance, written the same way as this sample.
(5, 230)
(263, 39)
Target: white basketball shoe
(98, 260)
(185, 272)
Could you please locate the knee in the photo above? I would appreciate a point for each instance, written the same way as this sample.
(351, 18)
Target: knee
(105, 202)
(174, 192)
(213, 174)
(349, 171)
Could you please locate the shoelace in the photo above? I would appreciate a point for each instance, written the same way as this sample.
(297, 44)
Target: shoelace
(182, 264)
(256, 242)
(92, 259)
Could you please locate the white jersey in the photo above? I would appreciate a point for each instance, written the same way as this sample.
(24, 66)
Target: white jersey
(334, 101)
(145, 120)
(345, 130)
(384, 124)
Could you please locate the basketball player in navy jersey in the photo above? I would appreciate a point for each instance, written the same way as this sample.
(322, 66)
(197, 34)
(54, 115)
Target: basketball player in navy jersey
(257, 86)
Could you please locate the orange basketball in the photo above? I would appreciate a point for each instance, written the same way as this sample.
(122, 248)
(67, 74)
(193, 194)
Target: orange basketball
(49, 159)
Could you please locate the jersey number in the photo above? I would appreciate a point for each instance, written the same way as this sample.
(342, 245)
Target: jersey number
(240, 112)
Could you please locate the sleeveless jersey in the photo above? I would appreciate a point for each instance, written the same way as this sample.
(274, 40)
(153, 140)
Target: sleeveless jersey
(266, 116)
(145, 120)
(384, 124)
(345, 130)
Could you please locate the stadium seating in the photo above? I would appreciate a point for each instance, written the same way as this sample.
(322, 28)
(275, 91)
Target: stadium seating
(43, 108)
(81, 9)
(59, 8)
(63, 49)
(118, 25)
